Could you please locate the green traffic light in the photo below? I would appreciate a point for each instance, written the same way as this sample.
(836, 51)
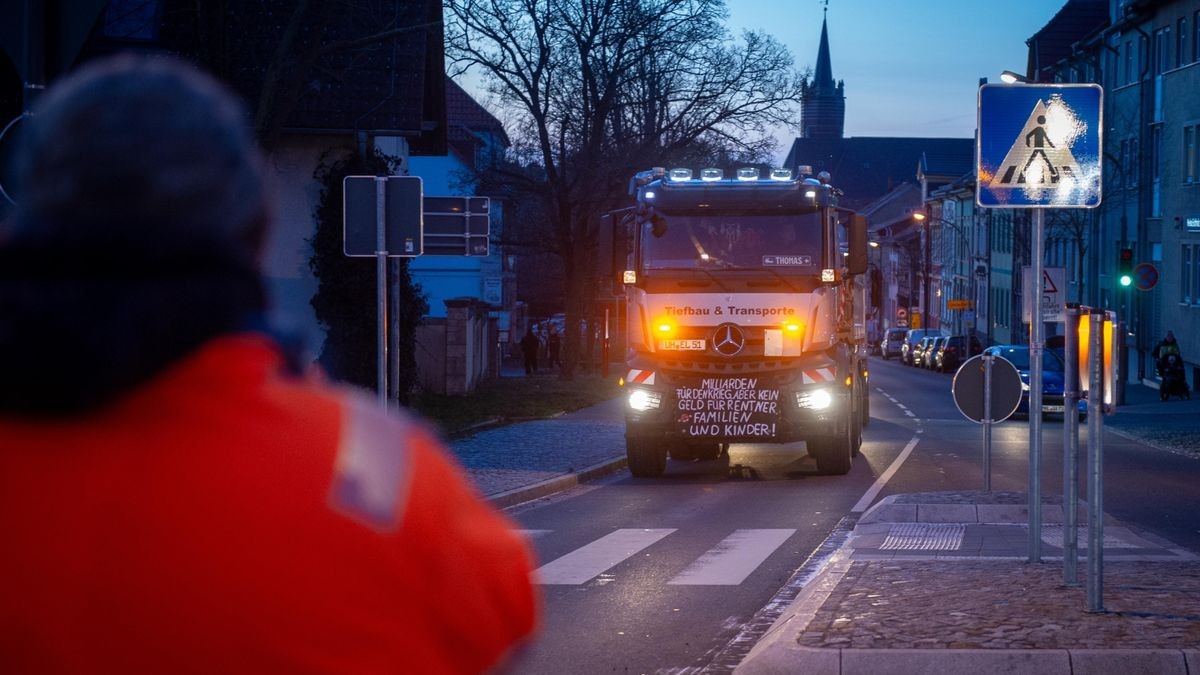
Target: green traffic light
(1126, 280)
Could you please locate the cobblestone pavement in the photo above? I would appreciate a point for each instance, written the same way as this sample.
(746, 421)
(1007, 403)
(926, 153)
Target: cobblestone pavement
(519, 455)
(982, 604)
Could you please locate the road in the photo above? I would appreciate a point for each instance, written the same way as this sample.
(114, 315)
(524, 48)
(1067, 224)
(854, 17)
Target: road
(683, 573)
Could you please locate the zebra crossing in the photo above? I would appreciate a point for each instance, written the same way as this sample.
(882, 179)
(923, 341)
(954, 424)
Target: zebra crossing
(728, 563)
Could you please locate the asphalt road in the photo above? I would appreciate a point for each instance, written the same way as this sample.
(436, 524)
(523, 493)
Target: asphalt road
(677, 574)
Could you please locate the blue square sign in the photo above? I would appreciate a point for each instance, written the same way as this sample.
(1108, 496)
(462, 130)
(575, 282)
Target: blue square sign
(1039, 146)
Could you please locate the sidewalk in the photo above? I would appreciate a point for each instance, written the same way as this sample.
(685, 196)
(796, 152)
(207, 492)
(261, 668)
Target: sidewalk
(1172, 425)
(939, 582)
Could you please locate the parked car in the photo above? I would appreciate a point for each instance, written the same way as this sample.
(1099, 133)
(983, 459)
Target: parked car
(1052, 378)
(910, 341)
(892, 340)
(955, 350)
(921, 349)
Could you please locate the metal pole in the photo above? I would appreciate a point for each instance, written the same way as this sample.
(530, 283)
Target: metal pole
(381, 289)
(1095, 556)
(928, 274)
(1071, 447)
(1036, 330)
(987, 420)
(394, 331)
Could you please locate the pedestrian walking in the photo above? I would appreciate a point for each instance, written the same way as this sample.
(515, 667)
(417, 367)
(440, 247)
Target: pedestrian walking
(175, 493)
(553, 345)
(529, 347)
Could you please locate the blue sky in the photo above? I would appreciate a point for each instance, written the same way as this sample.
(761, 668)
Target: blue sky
(911, 68)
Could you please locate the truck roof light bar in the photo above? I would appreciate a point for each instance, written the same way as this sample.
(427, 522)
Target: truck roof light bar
(710, 175)
(747, 173)
(781, 174)
(804, 170)
(680, 174)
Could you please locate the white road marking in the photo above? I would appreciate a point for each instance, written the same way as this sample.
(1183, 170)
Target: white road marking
(732, 560)
(589, 561)
(869, 495)
(909, 413)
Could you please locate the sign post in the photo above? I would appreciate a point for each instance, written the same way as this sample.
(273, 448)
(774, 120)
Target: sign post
(1096, 395)
(379, 212)
(1071, 396)
(987, 389)
(1038, 147)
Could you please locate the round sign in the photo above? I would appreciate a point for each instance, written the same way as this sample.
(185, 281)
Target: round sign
(968, 388)
(1145, 276)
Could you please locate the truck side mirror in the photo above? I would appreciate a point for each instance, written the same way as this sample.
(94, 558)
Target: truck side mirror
(856, 261)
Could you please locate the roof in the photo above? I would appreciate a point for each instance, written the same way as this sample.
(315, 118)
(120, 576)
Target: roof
(1075, 21)
(823, 76)
(464, 114)
(866, 168)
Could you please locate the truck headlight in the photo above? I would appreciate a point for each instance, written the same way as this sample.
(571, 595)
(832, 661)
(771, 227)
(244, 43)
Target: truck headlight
(814, 399)
(642, 400)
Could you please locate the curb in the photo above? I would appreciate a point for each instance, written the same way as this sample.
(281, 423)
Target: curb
(814, 661)
(557, 484)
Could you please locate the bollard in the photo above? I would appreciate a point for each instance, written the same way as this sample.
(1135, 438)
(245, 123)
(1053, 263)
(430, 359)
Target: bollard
(1070, 543)
(1095, 556)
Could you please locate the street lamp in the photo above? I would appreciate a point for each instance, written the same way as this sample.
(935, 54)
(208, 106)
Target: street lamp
(1009, 77)
(926, 221)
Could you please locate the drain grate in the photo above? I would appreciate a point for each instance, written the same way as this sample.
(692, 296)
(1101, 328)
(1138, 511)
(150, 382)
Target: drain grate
(1053, 535)
(925, 537)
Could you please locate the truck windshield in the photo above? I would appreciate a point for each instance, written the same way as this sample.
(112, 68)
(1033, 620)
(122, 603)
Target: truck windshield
(784, 243)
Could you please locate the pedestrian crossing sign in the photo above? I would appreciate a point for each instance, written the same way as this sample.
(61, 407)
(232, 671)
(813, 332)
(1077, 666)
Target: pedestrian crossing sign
(1039, 146)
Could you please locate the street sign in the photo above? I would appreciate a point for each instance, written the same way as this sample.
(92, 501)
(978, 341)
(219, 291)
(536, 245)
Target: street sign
(1054, 294)
(958, 304)
(1039, 146)
(457, 225)
(968, 389)
(901, 323)
(901, 313)
(402, 216)
(1145, 276)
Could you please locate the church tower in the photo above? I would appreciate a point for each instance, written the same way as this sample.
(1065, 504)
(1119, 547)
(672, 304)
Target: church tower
(823, 102)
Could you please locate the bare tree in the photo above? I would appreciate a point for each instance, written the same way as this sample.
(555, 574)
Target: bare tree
(596, 89)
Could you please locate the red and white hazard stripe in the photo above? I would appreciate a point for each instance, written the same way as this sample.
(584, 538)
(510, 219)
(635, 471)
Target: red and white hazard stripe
(813, 375)
(640, 377)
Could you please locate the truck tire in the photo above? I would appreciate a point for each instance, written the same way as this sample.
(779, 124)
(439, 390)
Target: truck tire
(833, 454)
(647, 459)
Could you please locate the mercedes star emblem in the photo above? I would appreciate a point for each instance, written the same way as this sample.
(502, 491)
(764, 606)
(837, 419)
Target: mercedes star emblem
(728, 339)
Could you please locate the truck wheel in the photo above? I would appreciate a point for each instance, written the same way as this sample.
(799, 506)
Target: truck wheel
(682, 452)
(832, 453)
(646, 458)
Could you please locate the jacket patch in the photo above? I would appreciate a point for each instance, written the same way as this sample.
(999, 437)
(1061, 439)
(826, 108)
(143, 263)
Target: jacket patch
(371, 474)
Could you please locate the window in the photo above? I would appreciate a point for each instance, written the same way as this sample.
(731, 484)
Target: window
(1191, 134)
(1162, 48)
(1134, 165)
(1185, 274)
(1181, 46)
(1156, 171)
(1128, 79)
(1196, 274)
(1196, 36)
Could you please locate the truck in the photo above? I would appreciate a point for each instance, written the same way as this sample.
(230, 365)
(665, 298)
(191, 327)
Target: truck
(745, 317)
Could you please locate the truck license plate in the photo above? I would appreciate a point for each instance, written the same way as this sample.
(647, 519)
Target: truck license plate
(1052, 408)
(683, 345)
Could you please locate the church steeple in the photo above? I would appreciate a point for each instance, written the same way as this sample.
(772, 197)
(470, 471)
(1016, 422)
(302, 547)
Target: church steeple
(823, 77)
(823, 102)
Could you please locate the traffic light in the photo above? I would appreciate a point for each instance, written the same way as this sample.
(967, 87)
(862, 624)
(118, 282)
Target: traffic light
(1125, 267)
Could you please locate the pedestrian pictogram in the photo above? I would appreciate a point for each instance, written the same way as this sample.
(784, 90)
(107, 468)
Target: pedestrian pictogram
(1040, 157)
(1039, 145)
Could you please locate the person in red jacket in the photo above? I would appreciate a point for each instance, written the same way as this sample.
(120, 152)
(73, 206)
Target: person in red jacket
(175, 495)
